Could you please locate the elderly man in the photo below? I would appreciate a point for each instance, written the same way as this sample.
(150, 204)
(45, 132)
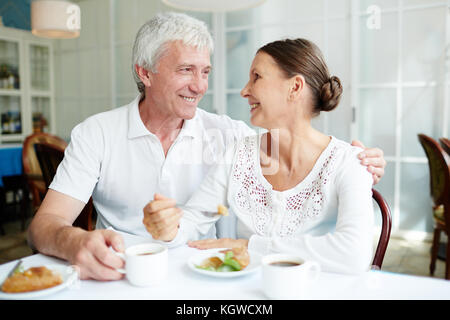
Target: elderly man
(160, 143)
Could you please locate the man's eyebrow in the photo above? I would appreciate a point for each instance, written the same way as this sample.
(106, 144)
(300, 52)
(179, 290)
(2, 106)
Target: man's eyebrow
(184, 65)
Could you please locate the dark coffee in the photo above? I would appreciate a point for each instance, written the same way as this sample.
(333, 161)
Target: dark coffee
(284, 264)
(145, 253)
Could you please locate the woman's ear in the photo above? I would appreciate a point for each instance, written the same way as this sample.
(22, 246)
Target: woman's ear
(297, 84)
(144, 75)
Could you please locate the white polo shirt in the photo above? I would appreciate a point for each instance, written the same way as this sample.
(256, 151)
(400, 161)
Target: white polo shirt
(113, 157)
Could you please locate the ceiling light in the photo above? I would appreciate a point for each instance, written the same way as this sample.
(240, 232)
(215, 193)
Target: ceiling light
(55, 19)
(213, 5)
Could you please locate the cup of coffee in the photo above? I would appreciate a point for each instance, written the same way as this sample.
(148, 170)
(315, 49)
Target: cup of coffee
(287, 276)
(146, 264)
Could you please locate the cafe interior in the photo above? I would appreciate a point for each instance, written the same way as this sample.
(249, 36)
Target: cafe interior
(392, 56)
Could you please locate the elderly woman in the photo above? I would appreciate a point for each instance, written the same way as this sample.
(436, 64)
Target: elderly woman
(293, 189)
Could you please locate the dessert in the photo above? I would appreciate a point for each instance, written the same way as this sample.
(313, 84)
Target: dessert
(32, 279)
(236, 259)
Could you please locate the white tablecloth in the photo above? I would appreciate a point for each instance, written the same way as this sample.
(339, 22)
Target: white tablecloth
(183, 284)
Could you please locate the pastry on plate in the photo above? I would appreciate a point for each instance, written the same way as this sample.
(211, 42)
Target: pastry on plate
(32, 279)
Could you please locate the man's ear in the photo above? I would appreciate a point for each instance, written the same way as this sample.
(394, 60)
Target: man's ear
(297, 85)
(144, 75)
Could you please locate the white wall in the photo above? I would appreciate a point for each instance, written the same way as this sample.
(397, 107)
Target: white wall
(82, 69)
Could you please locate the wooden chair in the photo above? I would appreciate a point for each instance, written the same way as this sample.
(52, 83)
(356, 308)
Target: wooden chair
(31, 167)
(49, 157)
(385, 229)
(445, 143)
(439, 166)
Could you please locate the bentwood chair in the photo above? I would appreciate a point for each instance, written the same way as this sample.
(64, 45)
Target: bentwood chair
(49, 157)
(386, 226)
(439, 166)
(31, 167)
(445, 144)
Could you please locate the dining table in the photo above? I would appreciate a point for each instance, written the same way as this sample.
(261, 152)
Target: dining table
(182, 283)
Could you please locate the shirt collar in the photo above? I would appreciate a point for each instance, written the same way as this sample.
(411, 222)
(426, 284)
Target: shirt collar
(136, 127)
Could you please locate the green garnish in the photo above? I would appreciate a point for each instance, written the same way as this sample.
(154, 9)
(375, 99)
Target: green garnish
(229, 261)
(229, 264)
(19, 269)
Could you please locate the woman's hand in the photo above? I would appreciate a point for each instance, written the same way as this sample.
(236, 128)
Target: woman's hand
(218, 243)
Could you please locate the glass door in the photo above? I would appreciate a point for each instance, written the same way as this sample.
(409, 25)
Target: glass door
(400, 93)
(40, 88)
(10, 89)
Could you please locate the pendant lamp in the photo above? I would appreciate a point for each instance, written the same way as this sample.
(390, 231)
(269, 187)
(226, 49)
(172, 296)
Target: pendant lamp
(55, 19)
(212, 5)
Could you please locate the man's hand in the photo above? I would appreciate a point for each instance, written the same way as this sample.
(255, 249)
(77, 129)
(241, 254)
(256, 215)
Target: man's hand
(91, 253)
(51, 233)
(373, 159)
(162, 218)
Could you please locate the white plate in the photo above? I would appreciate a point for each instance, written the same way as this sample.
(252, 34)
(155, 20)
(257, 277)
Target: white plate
(197, 259)
(69, 276)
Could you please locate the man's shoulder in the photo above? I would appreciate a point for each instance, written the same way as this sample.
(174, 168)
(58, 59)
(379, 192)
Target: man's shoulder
(116, 113)
(107, 118)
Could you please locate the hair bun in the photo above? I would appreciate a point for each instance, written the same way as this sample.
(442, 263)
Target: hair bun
(330, 94)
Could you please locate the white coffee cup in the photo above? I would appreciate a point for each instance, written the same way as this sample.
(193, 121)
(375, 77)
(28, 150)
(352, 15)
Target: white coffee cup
(287, 276)
(146, 264)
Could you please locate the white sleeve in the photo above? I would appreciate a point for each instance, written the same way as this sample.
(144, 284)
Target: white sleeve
(349, 248)
(212, 192)
(79, 171)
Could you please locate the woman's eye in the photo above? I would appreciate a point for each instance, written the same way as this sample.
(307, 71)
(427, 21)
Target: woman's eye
(257, 76)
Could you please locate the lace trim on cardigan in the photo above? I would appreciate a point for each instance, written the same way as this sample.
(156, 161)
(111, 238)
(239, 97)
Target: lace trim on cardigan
(255, 199)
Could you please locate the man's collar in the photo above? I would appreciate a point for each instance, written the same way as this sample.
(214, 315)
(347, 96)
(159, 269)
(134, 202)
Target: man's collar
(136, 127)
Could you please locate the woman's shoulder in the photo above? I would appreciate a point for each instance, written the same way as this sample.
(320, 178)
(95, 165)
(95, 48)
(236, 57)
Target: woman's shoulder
(348, 163)
(345, 150)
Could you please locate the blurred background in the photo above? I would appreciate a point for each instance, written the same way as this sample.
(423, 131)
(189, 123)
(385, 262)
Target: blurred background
(391, 55)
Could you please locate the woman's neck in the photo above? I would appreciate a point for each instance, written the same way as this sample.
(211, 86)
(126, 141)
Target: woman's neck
(293, 147)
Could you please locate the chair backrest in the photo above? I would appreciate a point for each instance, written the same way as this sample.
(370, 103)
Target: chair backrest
(438, 163)
(445, 143)
(385, 229)
(31, 167)
(49, 157)
(30, 161)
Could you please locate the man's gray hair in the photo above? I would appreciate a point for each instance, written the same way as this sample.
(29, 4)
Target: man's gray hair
(152, 39)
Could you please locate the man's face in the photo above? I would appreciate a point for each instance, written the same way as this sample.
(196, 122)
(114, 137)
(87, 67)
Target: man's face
(181, 80)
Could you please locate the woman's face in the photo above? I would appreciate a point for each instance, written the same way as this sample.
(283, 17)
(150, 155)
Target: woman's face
(267, 92)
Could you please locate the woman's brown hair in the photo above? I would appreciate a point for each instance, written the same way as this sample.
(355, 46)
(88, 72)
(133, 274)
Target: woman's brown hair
(301, 56)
